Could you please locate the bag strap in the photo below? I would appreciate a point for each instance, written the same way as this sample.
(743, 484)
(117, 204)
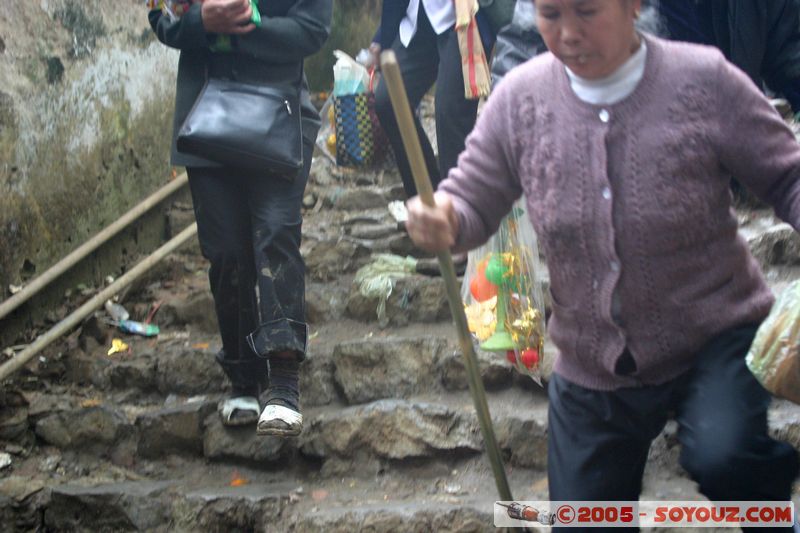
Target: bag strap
(298, 83)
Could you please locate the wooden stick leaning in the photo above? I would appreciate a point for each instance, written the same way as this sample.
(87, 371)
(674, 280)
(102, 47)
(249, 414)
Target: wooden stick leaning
(402, 112)
(96, 302)
(91, 245)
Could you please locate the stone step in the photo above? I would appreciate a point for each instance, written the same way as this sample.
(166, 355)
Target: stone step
(364, 440)
(215, 498)
(359, 366)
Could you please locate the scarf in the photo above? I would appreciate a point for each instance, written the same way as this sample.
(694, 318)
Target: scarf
(473, 58)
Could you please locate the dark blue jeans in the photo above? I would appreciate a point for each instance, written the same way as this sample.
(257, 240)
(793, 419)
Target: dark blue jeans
(598, 440)
(249, 226)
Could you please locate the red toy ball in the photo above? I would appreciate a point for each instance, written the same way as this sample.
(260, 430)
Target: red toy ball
(530, 358)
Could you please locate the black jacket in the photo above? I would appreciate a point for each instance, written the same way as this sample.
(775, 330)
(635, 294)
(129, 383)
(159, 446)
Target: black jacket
(761, 37)
(290, 31)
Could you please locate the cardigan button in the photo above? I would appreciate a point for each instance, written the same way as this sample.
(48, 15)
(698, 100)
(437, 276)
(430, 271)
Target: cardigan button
(604, 115)
(606, 193)
(614, 266)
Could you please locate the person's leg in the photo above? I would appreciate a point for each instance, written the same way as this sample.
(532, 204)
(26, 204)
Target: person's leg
(281, 336)
(418, 66)
(224, 235)
(455, 115)
(597, 441)
(722, 417)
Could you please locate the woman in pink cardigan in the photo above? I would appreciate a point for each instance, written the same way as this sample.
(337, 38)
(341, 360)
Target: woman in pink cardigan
(624, 145)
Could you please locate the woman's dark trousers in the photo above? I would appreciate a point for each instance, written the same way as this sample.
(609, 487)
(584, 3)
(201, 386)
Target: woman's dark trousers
(249, 226)
(598, 440)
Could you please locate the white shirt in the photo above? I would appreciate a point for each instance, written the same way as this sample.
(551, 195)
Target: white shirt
(615, 87)
(441, 14)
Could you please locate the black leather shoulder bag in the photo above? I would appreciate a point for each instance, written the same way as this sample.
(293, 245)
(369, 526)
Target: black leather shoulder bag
(246, 125)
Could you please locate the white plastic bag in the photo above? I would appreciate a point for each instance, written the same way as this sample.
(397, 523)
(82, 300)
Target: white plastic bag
(349, 76)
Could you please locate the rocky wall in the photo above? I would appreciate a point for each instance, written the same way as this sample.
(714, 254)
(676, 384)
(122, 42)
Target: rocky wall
(86, 98)
(85, 118)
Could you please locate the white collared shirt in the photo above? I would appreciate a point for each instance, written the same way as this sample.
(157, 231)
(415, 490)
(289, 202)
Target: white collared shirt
(441, 14)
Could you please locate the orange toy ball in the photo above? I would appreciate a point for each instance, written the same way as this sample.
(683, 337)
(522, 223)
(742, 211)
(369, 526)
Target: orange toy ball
(530, 358)
(480, 287)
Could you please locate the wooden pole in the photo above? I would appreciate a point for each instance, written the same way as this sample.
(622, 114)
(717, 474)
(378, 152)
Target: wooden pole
(89, 246)
(402, 111)
(97, 301)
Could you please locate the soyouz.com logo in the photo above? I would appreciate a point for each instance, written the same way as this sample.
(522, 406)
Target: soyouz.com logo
(693, 514)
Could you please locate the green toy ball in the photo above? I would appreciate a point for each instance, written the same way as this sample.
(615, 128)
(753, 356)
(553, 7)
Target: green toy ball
(496, 270)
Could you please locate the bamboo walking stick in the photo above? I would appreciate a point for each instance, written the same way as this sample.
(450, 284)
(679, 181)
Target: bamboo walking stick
(402, 112)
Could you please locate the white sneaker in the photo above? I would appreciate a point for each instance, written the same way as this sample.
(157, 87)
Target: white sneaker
(279, 421)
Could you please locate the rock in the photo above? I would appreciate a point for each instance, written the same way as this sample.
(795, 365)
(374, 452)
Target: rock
(325, 302)
(327, 259)
(525, 440)
(173, 430)
(395, 192)
(132, 506)
(402, 245)
(664, 453)
(777, 245)
(784, 422)
(387, 368)
(390, 429)
(189, 371)
(91, 428)
(359, 199)
(309, 200)
(21, 503)
(496, 372)
(133, 371)
(372, 231)
(13, 422)
(316, 380)
(413, 299)
(246, 508)
(396, 517)
(179, 216)
(19, 488)
(197, 311)
(221, 443)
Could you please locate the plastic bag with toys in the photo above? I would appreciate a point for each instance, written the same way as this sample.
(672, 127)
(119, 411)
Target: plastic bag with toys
(774, 357)
(502, 294)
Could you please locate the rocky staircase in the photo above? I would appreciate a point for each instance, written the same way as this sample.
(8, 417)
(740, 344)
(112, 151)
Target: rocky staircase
(132, 441)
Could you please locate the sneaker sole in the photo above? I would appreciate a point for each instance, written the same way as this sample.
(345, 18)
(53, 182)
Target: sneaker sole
(277, 432)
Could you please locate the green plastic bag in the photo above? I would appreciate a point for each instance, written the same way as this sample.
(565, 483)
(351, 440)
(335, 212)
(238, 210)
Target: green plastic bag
(774, 357)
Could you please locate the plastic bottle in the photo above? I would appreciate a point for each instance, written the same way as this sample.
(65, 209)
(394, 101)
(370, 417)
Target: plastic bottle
(116, 311)
(138, 328)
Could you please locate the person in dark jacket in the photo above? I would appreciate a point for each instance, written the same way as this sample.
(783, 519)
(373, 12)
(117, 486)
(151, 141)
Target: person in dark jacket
(422, 34)
(761, 38)
(249, 222)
